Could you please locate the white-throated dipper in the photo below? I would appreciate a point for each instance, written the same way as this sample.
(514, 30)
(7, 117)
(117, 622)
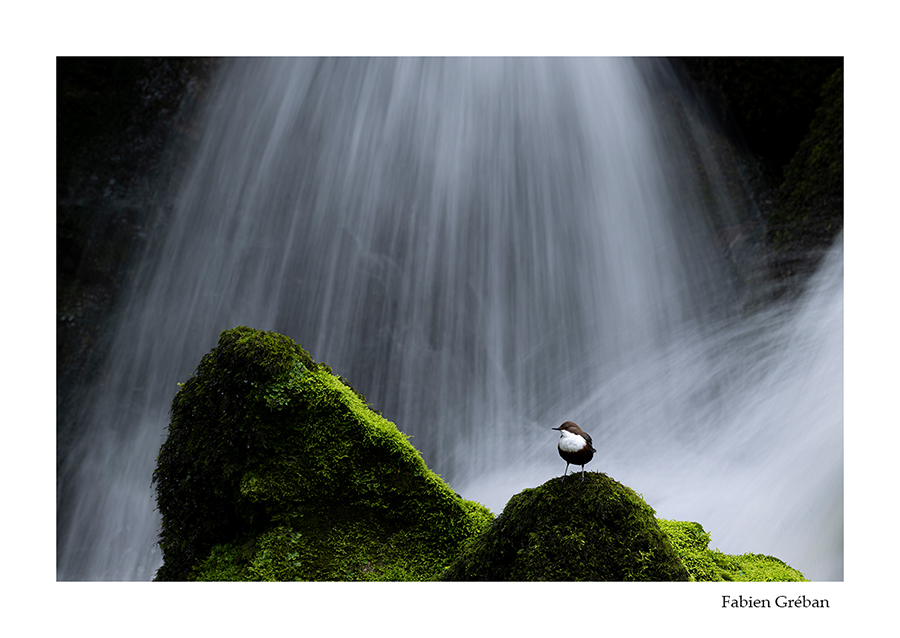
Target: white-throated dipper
(575, 447)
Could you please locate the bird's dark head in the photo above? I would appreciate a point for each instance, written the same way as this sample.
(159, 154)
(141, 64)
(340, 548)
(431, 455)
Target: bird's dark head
(568, 426)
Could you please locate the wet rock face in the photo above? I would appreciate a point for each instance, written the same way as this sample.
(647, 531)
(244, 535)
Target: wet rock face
(789, 113)
(769, 100)
(567, 530)
(811, 213)
(124, 126)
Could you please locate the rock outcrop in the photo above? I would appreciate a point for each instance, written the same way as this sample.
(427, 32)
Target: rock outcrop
(569, 530)
(276, 469)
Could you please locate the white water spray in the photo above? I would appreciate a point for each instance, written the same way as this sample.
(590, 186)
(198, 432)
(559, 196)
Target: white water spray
(484, 248)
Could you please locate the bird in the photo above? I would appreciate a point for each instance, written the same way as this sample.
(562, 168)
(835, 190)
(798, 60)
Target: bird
(575, 447)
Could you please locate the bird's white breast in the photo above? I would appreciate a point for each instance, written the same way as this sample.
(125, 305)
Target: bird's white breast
(569, 442)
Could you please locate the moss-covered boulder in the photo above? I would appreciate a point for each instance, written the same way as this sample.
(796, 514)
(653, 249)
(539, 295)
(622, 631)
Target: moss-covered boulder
(569, 530)
(276, 469)
(691, 543)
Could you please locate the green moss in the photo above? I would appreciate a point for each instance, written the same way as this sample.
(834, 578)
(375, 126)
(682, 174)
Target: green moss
(569, 530)
(760, 568)
(691, 543)
(276, 469)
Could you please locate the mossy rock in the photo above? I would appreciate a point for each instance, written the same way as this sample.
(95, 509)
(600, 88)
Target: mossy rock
(276, 469)
(598, 530)
(691, 543)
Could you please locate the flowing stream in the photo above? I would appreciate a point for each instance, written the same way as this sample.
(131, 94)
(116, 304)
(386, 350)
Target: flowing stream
(484, 248)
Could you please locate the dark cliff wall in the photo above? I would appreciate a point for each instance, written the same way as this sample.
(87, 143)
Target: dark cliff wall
(789, 113)
(123, 125)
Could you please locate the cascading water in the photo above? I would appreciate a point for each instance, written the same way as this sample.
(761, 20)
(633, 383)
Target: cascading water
(484, 248)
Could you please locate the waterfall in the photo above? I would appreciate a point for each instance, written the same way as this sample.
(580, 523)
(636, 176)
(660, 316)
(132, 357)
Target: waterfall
(485, 248)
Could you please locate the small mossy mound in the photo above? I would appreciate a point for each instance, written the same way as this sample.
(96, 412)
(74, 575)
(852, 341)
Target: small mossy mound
(597, 530)
(691, 543)
(276, 469)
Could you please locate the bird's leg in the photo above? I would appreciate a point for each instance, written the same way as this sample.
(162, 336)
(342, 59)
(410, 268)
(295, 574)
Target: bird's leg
(582, 474)
(564, 473)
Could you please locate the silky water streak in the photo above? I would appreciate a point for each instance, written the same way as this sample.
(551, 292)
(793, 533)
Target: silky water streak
(485, 248)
